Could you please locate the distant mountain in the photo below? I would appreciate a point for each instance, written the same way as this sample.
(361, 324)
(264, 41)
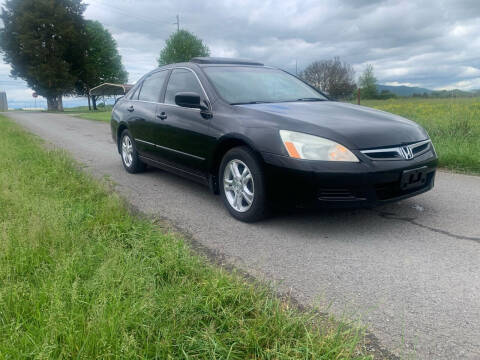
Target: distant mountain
(403, 90)
(475, 91)
(454, 93)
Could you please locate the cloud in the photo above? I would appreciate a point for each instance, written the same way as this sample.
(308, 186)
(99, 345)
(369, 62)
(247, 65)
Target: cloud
(396, 83)
(432, 44)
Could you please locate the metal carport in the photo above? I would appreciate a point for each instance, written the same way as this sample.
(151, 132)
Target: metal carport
(108, 89)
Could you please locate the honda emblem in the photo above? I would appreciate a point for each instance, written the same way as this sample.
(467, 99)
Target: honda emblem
(407, 152)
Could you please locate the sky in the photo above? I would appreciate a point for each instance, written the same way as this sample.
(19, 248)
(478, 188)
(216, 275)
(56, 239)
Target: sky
(432, 44)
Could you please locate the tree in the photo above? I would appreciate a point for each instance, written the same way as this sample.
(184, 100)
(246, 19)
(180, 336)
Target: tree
(182, 46)
(102, 62)
(368, 83)
(332, 76)
(43, 41)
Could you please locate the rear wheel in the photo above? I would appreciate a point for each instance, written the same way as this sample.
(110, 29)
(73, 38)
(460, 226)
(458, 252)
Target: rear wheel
(130, 159)
(242, 185)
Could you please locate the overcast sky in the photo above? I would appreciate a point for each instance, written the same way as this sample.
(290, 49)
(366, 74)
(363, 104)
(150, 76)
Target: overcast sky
(433, 44)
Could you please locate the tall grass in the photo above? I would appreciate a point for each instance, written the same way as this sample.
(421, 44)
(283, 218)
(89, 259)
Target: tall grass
(80, 277)
(453, 125)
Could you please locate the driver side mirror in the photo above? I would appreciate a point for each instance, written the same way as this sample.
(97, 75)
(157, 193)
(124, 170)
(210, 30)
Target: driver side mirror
(188, 99)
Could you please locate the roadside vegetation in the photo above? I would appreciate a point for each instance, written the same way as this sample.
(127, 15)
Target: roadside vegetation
(81, 277)
(453, 125)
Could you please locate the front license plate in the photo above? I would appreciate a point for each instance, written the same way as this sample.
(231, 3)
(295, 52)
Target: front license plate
(413, 178)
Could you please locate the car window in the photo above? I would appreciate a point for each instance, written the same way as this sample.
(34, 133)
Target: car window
(181, 80)
(134, 93)
(152, 87)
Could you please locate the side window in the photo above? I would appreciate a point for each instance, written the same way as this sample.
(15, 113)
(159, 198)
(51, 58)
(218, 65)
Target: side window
(181, 80)
(152, 87)
(134, 95)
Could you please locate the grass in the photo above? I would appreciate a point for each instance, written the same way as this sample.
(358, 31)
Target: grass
(103, 114)
(81, 277)
(95, 115)
(453, 125)
(84, 109)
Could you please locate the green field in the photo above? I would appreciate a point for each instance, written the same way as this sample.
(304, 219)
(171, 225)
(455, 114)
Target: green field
(453, 125)
(81, 277)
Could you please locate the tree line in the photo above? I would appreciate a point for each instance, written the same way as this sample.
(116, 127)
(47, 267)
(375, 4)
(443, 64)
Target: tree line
(51, 46)
(337, 79)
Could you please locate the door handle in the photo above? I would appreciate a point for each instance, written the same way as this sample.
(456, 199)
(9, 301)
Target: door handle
(162, 115)
(130, 108)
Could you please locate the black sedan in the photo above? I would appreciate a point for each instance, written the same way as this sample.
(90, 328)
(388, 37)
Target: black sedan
(259, 136)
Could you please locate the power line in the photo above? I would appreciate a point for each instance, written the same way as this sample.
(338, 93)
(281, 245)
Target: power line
(177, 23)
(122, 11)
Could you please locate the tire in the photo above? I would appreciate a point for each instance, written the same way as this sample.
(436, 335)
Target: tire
(129, 154)
(242, 185)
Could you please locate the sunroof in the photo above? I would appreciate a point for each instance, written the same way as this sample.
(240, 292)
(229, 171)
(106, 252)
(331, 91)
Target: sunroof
(219, 60)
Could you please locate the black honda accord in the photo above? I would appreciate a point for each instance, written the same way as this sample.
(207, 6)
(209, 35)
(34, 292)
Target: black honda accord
(259, 136)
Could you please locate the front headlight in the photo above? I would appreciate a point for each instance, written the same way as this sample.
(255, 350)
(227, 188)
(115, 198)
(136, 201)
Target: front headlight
(309, 147)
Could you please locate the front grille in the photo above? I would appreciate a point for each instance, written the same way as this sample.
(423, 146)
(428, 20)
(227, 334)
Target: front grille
(420, 149)
(386, 154)
(398, 152)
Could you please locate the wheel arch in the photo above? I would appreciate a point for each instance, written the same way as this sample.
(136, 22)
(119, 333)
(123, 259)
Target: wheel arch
(121, 127)
(225, 144)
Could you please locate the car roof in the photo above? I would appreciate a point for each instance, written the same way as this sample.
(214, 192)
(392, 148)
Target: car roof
(209, 61)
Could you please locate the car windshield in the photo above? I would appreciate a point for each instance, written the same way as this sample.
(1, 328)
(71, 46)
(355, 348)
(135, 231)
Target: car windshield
(250, 85)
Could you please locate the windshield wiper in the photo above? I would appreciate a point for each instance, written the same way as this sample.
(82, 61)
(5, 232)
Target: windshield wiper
(250, 102)
(310, 99)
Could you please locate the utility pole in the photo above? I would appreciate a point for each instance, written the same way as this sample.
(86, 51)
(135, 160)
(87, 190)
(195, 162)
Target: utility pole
(296, 67)
(177, 23)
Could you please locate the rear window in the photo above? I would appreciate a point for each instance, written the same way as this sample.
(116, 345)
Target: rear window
(152, 87)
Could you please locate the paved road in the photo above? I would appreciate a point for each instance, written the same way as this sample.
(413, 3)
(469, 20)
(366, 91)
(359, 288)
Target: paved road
(410, 270)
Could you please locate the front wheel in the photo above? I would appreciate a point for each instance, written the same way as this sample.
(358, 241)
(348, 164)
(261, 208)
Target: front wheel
(242, 185)
(130, 159)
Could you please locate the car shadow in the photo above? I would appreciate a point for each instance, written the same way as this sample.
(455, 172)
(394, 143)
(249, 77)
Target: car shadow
(308, 222)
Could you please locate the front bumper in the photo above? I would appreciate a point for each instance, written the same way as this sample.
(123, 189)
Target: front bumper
(336, 184)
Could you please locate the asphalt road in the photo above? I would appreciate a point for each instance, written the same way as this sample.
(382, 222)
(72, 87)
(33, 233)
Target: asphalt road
(410, 270)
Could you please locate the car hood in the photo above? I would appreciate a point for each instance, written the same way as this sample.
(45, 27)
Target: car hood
(357, 127)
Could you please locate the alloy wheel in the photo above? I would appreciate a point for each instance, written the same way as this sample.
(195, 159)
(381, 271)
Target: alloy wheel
(238, 185)
(127, 151)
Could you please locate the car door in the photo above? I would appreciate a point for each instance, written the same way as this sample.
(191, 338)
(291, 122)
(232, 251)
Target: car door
(144, 113)
(185, 134)
(127, 106)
